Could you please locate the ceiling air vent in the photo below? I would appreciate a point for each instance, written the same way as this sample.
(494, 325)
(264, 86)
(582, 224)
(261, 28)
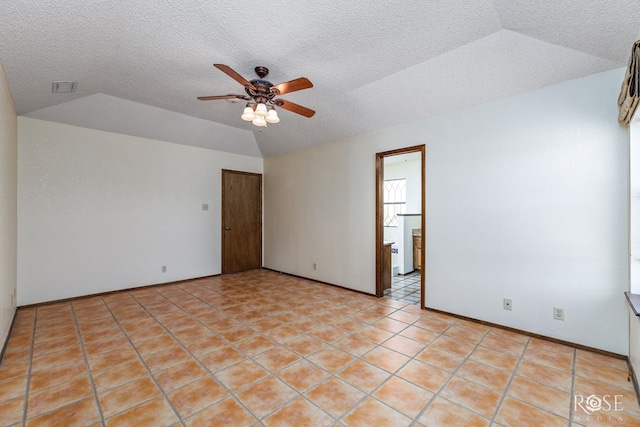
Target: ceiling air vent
(63, 86)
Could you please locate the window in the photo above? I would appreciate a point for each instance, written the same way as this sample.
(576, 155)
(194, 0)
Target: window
(395, 200)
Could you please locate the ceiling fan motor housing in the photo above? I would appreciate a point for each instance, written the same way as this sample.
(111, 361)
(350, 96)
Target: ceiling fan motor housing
(262, 92)
(261, 71)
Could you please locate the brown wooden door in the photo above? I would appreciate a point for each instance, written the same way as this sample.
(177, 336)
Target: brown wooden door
(241, 221)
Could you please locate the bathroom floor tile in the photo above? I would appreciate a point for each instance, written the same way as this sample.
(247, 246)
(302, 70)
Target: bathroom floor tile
(485, 375)
(225, 413)
(155, 412)
(354, 345)
(302, 375)
(330, 358)
(542, 374)
(55, 375)
(241, 375)
(334, 396)
(498, 360)
(373, 413)
(403, 396)
(262, 397)
(551, 400)
(440, 358)
(11, 411)
(363, 375)
(221, 358)
(424, 375)
(442, 412)
(58, 395)
(386, 359)
(255, 345)
(263, 348)
(305, 345)
(514, 412)
(196, 396)
(82, 412)
(475, 397)
(277, 358)
(299, 412)
(179, 375)
(127, 396)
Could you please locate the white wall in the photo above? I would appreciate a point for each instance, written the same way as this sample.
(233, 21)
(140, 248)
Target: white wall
(526, 199)
(634, 207)
(411, 171)
(8, 208)
(99, 211)
(634, 239)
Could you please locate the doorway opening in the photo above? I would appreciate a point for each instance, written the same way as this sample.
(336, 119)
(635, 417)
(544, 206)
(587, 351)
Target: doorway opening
(400, 217)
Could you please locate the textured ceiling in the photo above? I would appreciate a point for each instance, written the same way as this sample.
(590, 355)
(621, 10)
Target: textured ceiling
(140, 65)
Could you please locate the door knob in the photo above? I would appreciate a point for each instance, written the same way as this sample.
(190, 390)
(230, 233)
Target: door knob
(227, 228)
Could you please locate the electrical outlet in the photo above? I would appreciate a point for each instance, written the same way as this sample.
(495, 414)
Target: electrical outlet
(558, 313)
(507, 304)
(205, 206)
(163, 269)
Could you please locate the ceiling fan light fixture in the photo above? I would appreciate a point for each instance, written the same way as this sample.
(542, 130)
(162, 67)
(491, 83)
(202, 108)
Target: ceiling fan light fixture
(259, 121)
(272, 116)
(261, 96)
(261, 110)
(248, 114)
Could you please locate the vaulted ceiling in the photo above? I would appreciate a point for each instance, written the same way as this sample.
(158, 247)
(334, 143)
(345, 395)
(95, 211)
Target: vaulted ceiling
(141, 64)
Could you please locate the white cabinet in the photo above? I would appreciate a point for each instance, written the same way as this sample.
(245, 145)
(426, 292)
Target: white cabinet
(406, 224)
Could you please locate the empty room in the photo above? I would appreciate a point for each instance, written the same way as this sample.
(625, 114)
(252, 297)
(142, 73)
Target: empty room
(319, 213)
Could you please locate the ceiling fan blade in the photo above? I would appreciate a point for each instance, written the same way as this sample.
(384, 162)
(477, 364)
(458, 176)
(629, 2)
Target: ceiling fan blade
(292, 86)
(214, 97)
(299, 109)
(231, 73)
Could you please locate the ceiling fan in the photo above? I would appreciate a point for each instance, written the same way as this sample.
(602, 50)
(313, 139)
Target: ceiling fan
(261, 96)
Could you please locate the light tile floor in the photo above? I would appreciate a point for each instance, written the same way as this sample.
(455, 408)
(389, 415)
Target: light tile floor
(405, 288)
(261, 348)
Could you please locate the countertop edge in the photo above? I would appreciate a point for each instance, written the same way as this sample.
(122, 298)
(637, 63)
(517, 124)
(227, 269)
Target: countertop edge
(634, 302)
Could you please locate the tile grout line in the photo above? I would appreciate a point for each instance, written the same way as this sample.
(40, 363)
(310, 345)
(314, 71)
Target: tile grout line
(247, 357)
(394, 373)
(305, 358)
(331, 374)
(573, 386)
(139, 303)
(186, 311)
(28, 387)
(87, 366)
(413, 358)
(573, 377)
(181, 344)
(453, 374)
(325, 346)
(149, 372)
(513, 375)
(334, 374)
